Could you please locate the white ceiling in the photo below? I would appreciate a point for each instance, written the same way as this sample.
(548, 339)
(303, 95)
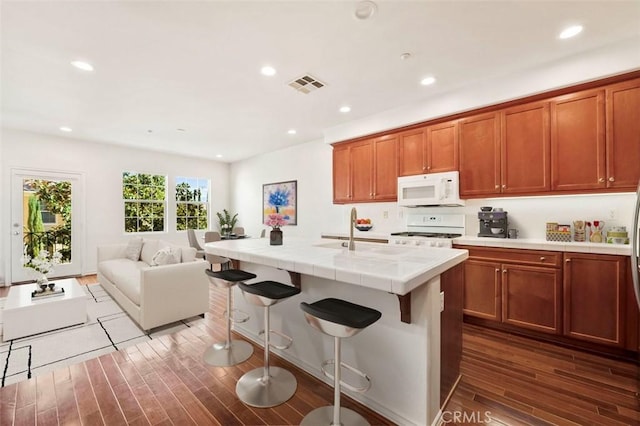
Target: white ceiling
(161, 66)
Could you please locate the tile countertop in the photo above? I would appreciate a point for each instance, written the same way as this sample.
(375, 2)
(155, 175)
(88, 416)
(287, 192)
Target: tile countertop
(379, 266)
(540, 244)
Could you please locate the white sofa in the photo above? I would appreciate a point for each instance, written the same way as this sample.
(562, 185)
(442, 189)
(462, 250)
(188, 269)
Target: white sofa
(154, 295)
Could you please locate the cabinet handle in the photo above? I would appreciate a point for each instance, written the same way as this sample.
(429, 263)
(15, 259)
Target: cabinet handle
(542, 258)
(567, 260)
(497, 270)
(497, 186)
(611, 179)
(601, 180)
(504, 271)
(424, 168)
(504, 186)
(428, 167)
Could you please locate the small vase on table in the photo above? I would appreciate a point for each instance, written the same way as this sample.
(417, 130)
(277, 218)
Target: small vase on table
(275, 237)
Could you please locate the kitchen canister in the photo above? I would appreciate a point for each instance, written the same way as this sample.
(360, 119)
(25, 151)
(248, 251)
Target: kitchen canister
(618, 235)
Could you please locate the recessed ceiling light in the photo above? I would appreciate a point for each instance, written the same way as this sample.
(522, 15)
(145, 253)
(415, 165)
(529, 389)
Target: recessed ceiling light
(345, 108)
(292, 131)
(570, 31)
(218, 155)
(65, 129)
(365, 9)
(181, 130)
(427, 81)
(268, 71)
(81, 65)
(405, 56)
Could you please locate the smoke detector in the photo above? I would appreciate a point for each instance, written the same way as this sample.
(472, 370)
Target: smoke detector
(306, 84)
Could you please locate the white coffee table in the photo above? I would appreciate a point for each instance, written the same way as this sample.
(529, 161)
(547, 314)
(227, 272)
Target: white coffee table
(24, 316)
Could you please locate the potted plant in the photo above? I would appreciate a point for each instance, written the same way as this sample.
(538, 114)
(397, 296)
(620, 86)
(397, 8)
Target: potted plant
(226, 222)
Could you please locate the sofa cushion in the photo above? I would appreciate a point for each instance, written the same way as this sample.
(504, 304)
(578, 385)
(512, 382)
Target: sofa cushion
(125, 275)
(166, 256)
(188, 254)
(149, 249)
(134, 247)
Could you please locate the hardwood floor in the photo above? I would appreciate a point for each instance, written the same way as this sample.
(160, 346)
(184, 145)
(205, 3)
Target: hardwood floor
(507, 380)
(512, 380)
(161, 382)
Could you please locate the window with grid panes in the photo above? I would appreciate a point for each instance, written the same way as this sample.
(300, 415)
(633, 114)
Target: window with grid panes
(145, 202)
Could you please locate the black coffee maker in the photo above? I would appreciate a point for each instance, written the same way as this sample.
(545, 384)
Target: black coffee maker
(493, 223)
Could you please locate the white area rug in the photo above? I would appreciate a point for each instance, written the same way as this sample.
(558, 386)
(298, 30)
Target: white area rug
(108, 328)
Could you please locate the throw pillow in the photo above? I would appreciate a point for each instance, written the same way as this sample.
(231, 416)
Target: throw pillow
(188, 254)
(134, 247)
(149, 249)
(165, 256)
(176, 250)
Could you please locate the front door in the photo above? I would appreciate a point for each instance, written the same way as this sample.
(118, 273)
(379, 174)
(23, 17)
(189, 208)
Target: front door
(45, 220)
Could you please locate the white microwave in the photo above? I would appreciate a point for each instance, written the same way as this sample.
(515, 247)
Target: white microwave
(434, 189)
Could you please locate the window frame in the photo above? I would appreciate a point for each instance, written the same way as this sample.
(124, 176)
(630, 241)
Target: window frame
(139, 201)
(200, 184)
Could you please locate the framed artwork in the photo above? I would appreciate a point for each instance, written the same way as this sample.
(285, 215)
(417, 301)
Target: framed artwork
(281, 197)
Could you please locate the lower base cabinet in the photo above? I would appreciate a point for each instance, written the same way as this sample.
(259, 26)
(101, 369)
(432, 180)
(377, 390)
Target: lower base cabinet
(570, 297)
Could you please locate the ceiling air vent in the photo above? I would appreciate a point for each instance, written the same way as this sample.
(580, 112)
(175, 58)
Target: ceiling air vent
(306, 84)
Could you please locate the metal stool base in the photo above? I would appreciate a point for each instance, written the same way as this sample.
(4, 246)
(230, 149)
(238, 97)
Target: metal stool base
(237, 352)
(324, 416)
(253, 391)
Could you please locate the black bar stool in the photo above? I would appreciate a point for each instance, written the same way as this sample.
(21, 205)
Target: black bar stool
(230, 352)
(267, 386)
(340, 319)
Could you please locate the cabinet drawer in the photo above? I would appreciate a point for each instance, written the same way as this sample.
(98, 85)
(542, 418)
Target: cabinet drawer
(523, 257)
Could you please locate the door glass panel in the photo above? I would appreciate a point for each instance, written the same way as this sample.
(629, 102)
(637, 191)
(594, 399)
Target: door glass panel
(47, 217)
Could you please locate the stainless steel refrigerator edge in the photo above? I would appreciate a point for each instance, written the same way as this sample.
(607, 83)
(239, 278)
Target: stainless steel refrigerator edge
(634, 247)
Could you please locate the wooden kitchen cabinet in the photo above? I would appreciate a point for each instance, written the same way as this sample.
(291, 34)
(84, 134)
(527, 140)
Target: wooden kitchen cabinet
(525, 151)
(623, 134)
(482, 289)
(479, 140)
(365, 171)
(518, 287)
(532, 297)
(430, 149)
(594, 297)
(578, 141)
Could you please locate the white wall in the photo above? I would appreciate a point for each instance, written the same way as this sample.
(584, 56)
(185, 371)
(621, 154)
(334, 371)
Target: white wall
(102, 166)
(3, 205)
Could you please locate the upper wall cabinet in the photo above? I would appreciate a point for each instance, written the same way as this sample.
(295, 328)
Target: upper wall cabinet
(429, 149)
(623, 134)
(365, 171)
(525, 151)
(577, 141)
(480, 155)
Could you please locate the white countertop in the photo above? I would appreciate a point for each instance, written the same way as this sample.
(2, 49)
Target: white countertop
(541, 244)
(373, 265)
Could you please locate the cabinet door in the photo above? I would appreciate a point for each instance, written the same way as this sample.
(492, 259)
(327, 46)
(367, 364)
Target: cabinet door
(385, 168)
(594, 289)
(480, 155)
(623, 134)
(532, 297)
(577, 141)
(362, 171)
(341, 174)
(525, 159)
(411, 150)
(482, 289)
(442, 147)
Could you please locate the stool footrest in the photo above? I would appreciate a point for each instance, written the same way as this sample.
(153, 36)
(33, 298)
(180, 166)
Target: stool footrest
(242, 316)
(354, 370)
(288, 339)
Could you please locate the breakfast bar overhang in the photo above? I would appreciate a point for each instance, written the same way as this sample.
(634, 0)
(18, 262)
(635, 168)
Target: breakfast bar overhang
(400, 353)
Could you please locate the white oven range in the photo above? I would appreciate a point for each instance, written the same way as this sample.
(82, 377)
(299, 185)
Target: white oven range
(430, 230)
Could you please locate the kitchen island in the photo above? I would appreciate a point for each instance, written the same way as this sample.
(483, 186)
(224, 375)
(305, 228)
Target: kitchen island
(400, 354)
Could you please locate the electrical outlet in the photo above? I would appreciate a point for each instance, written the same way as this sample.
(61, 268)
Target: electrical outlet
(399, 214)
(385, 214)
(442, 301)
(612, 214)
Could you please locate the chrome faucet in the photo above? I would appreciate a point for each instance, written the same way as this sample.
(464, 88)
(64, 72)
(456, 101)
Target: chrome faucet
(352, 222)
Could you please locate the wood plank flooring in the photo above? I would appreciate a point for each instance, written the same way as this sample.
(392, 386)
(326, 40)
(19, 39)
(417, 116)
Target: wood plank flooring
(513, 380)
(507, 380)
(161, 382)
